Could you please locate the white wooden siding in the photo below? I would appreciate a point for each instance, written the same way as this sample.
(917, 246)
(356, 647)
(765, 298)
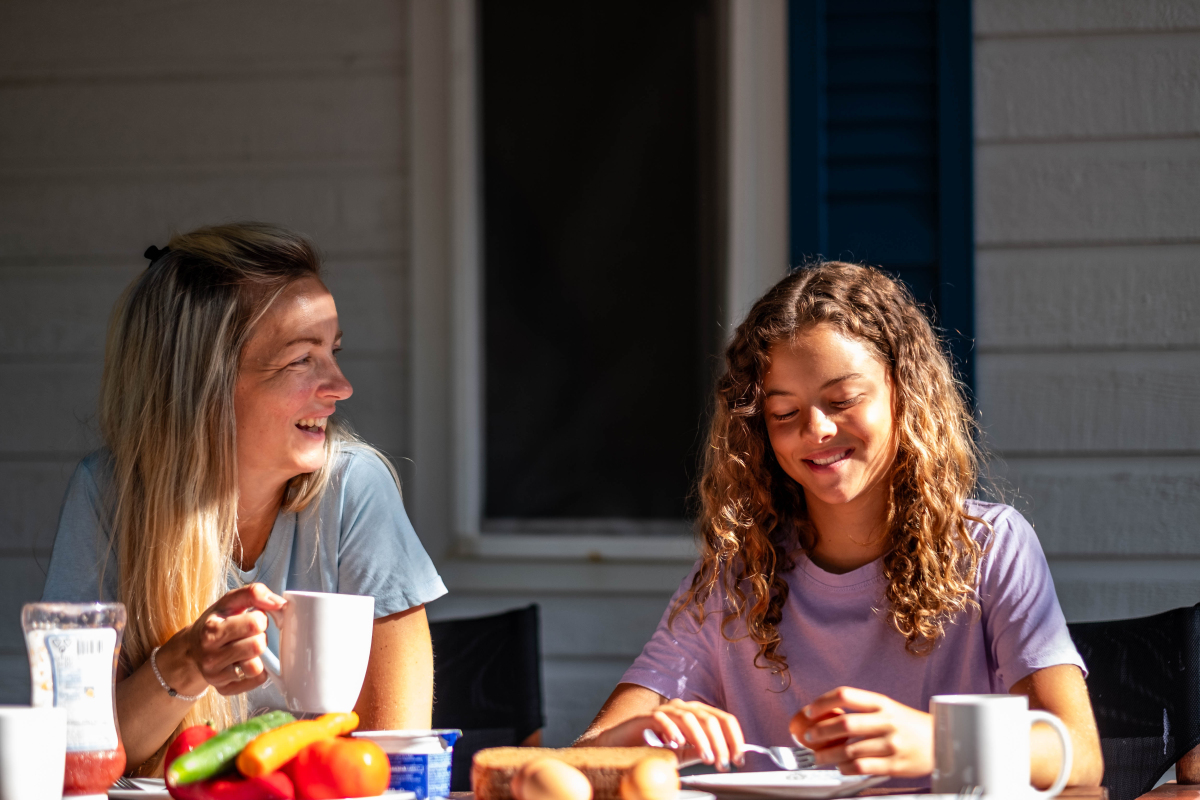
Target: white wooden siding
(1020, 18)
(30, 494)
(1087, 192)
(1079, 298)
(1110, 506)
(1091, 403)
(143, 37)
(1087, 115)
(1071, 87)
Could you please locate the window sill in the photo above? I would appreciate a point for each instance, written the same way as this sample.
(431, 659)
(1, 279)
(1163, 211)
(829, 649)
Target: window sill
(568, 564)
(579, 547)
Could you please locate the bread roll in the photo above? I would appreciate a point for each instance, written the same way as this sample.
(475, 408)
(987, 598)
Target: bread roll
(493, 769)
(650, 779)
(550, 779)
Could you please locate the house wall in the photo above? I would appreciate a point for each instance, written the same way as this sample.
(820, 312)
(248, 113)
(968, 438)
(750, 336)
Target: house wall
(123, 121)
(1087, 126)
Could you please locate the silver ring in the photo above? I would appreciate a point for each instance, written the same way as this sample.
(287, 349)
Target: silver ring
(239, 672)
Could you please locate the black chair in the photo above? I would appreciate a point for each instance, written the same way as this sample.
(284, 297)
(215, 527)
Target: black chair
(1144, 681)
(487, 681)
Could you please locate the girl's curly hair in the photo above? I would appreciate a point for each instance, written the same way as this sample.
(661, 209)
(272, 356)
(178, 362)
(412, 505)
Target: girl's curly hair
(753, 516)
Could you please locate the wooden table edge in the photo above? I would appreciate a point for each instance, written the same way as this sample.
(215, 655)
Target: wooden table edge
(1168, 791)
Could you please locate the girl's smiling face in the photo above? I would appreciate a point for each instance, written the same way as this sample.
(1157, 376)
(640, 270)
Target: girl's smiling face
(288, 384)
(829, 416)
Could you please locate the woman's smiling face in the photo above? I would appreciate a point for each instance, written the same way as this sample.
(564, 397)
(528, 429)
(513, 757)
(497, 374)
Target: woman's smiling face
(288, 384)
(829, 416)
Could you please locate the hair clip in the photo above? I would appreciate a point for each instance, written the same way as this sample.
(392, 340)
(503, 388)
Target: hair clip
(154, 254)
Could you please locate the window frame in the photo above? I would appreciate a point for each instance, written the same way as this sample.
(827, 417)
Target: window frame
(753, 89)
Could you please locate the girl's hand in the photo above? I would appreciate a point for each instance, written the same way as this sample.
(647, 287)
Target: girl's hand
(864, 733)
(698, 731)
(226, 640)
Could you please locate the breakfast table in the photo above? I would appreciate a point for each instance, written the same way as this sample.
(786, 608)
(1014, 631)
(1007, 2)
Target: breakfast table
(1073, 792)
(1168, 791)
(1174, 791)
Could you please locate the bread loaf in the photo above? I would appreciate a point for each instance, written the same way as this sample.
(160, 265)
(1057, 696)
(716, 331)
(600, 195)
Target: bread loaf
(492, 769)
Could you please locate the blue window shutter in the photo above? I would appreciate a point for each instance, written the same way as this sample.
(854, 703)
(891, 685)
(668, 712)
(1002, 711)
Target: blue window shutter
(956, 184)
(881, 146)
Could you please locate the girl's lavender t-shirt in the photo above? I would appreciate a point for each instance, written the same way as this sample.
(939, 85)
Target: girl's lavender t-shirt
(835, 632)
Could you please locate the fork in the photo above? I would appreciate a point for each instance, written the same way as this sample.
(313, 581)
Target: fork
(786, 757)
(138, 784)
(789, 758)
(970, 792)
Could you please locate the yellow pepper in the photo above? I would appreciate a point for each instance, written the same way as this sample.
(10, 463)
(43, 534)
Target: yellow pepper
(271, 750)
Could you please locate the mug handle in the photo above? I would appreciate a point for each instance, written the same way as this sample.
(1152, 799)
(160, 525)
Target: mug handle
(1064, 772)
(269, 661)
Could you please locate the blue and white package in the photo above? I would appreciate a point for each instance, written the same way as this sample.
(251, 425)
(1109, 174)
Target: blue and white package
(420, 760)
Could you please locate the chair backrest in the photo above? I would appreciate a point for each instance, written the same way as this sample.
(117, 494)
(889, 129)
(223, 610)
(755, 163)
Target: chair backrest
(1144, 682)
(487, 680)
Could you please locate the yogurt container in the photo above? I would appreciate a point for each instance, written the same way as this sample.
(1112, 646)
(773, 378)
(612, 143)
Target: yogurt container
(420, 760)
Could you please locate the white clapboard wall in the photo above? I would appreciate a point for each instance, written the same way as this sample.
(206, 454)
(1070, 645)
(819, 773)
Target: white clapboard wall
(1087, 126)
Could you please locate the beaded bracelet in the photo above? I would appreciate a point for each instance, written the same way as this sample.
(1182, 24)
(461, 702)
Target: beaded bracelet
(154, 666)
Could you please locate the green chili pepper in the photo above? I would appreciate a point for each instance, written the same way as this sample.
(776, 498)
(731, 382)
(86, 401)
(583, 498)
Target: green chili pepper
(218, 753)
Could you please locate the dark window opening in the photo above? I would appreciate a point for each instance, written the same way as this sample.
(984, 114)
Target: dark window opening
(598, 152)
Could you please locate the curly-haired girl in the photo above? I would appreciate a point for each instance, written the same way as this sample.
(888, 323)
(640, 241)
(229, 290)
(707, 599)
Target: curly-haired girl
(846, 575)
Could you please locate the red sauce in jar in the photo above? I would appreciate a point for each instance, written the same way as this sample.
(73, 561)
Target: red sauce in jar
(93, 771)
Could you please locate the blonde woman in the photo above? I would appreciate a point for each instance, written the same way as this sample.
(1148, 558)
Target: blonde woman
(226, 479)
(846, 575)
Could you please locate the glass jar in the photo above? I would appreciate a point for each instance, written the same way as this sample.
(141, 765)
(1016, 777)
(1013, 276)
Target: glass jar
(73, 651)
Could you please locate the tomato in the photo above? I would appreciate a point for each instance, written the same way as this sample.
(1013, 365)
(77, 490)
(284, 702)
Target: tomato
(342, 767)
(93, 771)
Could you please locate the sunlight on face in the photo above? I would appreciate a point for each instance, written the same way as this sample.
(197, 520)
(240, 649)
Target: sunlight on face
(829, 416)
(288, 383)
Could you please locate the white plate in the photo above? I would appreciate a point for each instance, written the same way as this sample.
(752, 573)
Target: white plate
(806, 783)
(138, 794)
(692, 794)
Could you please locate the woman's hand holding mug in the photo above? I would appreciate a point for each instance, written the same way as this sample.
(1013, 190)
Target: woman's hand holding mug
(223, 647)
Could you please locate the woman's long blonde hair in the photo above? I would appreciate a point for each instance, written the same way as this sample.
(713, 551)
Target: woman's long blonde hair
(753, 515)
(167, 417)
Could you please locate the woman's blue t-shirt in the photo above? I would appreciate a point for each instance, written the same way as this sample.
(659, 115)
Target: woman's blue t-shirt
(357, 540)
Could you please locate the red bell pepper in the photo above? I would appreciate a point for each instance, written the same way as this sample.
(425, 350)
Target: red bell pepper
(187, 741)
(273, 786)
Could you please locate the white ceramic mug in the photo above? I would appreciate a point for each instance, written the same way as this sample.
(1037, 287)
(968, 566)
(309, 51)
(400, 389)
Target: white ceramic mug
(33, 749)
(324, 646)
(983, 740)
